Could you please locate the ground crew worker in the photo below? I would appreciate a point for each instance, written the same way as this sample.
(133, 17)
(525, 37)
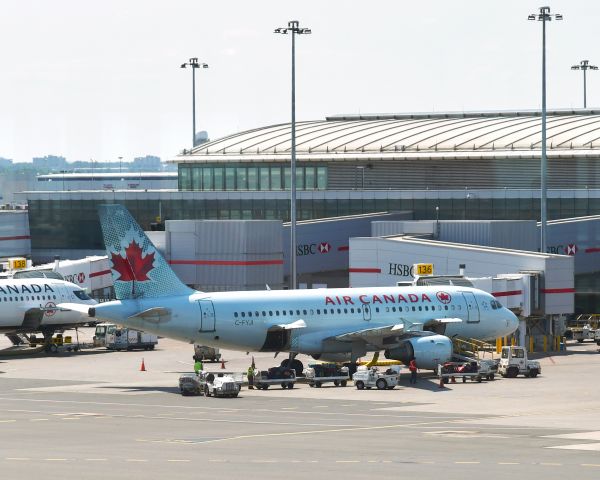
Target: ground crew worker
(250, 377)
(412, 366)
(198, 367)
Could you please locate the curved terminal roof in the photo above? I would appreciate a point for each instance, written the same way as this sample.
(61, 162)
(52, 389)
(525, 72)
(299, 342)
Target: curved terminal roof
(455, 135)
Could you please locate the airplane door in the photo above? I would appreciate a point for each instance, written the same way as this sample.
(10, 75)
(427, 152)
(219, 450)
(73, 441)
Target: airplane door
(472, 307)
(207, 316)
(366, 312)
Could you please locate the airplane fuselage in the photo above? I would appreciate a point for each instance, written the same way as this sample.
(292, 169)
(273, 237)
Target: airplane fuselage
(245, 320)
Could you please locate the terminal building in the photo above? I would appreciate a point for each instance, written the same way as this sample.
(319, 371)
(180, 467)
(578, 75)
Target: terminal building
(436, 166)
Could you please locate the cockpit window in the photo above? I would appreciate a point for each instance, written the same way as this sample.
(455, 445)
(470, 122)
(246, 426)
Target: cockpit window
(81, 295)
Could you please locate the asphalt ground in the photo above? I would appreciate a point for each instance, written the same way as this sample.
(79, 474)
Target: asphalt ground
(96, 415)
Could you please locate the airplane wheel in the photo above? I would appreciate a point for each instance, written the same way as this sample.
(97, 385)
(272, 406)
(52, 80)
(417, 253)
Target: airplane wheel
(344, 383)
(360, 385)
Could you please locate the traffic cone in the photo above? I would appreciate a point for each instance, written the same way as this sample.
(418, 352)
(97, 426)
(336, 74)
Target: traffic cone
(143, 366)
(222, 364)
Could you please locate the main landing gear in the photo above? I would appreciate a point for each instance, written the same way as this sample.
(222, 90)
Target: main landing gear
(291, 362)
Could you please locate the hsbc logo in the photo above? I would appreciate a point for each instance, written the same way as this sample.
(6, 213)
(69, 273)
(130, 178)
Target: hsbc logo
(313, 248)
(570, 249)
(324, 247)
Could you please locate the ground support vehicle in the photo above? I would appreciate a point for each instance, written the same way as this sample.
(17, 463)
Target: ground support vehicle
(59, 344)
(369, 377)
(118, 338)
(205, 353)
(583, 333)
(597, 337)
(286, 377)
(514, 361)
(218, 384)
(189, 384)
(317, 374)
(474, 370)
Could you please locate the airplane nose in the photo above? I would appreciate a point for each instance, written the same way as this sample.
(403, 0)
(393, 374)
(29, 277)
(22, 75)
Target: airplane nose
(512, 321)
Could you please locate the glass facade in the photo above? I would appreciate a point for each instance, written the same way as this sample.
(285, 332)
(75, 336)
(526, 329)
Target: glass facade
(249, 177)
(64, 223)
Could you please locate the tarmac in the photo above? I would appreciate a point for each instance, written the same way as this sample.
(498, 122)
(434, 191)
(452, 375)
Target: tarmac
(94, 414)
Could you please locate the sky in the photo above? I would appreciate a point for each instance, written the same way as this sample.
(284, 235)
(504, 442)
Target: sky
(99, 80)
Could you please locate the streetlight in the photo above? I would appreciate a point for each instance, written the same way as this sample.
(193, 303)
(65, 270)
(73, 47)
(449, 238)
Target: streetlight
(544, 16)
(193, 63)
(585, 66)
(293, 28)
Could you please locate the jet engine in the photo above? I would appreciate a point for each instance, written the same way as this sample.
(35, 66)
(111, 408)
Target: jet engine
(428, 351)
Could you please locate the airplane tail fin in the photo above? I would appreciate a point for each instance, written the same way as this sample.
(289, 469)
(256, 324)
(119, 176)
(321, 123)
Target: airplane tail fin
(137, 267)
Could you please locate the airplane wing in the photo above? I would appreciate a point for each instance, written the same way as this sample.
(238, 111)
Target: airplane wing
(436, 321)
(391, 334)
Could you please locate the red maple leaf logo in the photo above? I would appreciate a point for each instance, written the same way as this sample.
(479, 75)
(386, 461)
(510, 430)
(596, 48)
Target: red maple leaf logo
(133, 266)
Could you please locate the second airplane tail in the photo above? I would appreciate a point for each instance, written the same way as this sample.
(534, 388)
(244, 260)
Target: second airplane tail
(137, 267)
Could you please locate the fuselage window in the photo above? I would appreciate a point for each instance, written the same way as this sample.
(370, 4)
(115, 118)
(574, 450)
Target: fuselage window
(459, 307)
(284, 312)
(270, 313)
(351, 310)
(345, 310)
(377, 309)
(420, 308)
(387, 309)
(393, 309)
(54, 297)
(243, 314)
(339, 310)
(22, 299)
(235, 314)
(256, 314)
(291, 313)
(414, 309)
(264, 313)
(297, 312)
(332, 311)
(452, 307)
(445, 307)
(312, 312)
(303, 312)
(358, 310)
(318, 311)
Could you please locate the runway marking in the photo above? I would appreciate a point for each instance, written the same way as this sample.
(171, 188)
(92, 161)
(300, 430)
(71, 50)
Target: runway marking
(308, 432)
(39, 419)
(7, 421)
(467, 463)
(590, 447)
(594, 435)
(590, 464)
(17, 458)
(175, 460)
(225, 409)
(508, 463)
(96, 459)
(55, 459)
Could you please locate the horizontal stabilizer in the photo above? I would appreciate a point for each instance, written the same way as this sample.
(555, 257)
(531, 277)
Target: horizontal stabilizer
(289, 326)
(150, 314)
(75, 307)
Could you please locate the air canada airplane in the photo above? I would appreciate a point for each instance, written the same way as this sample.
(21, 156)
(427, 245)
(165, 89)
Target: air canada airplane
(329, 324)
(29, 305)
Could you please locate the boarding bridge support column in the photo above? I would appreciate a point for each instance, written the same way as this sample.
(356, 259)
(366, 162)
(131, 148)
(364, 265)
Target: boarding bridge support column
(522, 332)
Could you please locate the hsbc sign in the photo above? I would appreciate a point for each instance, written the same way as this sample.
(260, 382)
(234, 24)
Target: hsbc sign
(570, 249)
(313, 248)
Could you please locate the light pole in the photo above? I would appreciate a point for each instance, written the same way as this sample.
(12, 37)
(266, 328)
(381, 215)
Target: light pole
(193, 63)
(585, 66)
(293, 28)
(544, 16)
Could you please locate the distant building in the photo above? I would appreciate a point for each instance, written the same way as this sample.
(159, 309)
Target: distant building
(50, 162)
(149, 163)
(5, 162)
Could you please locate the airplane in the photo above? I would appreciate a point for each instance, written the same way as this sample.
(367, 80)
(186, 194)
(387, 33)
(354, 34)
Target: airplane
(340, 324)
(29, 305)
